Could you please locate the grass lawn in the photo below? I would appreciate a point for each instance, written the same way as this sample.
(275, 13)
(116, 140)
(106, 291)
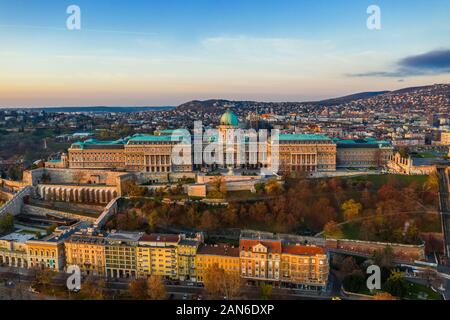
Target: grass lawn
(421, 292)
(379, 180)
(351, 231)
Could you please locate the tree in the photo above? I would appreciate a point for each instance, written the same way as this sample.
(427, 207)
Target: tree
(219, 188)
(209, 221)
(355, 282)
(139, 289)
(219, 283)
(132, 189)
(50, 229)
(43, 277)
(349, 265)
(383, 296)
(6, 223)
(333, 230)
(351, 209)
(396, 284)
(265, 291)
(384, 258)
(93, 289)
(156, 288)
(273, 187)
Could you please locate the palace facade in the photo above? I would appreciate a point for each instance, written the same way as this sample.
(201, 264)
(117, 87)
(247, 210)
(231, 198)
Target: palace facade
(225, 148)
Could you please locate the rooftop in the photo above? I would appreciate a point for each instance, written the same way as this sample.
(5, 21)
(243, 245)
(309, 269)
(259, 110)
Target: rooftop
(303, 250)
(273, 246)
(218, 250)
(154, 237)
(303, 137)
(125, 236)
(153, 138)
(18, 237)
(366, 142)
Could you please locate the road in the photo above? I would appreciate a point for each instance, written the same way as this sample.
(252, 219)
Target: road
(178, 292)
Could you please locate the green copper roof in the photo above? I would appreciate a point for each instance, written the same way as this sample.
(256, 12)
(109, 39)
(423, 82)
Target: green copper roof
(229, 119)
(365, 141)
(89, 142)
(152, 138)
(303, 137)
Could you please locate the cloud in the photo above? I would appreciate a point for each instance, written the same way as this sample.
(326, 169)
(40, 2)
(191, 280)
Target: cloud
(429, 63)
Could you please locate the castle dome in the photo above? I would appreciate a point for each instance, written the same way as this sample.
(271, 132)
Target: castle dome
(229, 119)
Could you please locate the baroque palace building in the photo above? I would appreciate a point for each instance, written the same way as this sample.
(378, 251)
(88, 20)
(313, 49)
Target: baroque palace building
(295, 152)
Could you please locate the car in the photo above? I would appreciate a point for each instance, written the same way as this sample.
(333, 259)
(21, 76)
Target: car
(199, 297)
(190, 284)
(185, 296)
(336, 298)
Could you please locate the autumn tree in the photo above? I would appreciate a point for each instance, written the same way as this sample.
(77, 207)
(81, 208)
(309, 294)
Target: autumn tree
(351, 209)
(219, 283)
(156, 288)
(93, 289)
(218, 188)
(138, 289)
(209, 221)
(43, 277)
(383, 296)
(273, 187)
(132, 189)
(333, 230)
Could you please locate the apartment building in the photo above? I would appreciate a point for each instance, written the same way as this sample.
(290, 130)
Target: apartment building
(223, 256)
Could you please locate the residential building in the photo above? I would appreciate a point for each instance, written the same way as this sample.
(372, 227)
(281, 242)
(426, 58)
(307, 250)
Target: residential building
(87, 251)
(157, 255)
(304, 267)
(187, 267)
(120, 254)
(13, 250)
(223, 256)
(260, 259)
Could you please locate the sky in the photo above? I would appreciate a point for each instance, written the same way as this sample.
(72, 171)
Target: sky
(166, 52)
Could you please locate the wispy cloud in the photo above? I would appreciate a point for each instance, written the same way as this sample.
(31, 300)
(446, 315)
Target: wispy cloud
(429, 63)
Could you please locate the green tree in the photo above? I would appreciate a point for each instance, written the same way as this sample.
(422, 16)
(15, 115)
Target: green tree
(355, 282)
(396, 284)
(6, 223)
(265, 291)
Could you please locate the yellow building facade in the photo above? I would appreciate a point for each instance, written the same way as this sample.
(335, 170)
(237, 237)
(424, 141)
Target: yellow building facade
(222, 256)
(157, 255)
(88, 253)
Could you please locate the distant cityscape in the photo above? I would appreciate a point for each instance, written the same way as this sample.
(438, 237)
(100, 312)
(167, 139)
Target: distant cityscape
(99, 188)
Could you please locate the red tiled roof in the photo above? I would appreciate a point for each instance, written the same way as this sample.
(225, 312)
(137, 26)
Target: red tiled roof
(303, 250)
(272, 246)
(218, 250)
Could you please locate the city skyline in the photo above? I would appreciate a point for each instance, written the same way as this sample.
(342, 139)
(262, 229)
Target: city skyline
(167, 53)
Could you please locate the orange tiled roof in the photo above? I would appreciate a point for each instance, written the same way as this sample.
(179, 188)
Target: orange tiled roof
(303, 250)
(272, 246)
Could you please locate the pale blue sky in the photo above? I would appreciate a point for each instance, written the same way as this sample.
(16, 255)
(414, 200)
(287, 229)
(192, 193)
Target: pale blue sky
(166, 52)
